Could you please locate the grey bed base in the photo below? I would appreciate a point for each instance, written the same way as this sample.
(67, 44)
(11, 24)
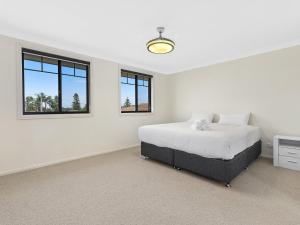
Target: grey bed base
(217, 169)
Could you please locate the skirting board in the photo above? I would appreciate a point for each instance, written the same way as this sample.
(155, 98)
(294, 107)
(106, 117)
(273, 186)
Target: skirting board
(40, 165)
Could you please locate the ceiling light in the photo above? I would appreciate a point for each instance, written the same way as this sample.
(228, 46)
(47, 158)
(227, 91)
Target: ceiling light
(160, 45)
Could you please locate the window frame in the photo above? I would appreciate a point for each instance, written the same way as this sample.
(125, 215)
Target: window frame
(136, 75)
(59, 58)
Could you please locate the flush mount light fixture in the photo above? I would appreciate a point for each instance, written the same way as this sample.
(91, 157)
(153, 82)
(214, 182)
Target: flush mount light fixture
(160, 45)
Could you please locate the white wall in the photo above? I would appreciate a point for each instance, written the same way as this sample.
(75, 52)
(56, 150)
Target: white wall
(268, 85)
(35, 142)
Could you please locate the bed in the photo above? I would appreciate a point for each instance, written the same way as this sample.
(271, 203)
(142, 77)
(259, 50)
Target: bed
(221, 152)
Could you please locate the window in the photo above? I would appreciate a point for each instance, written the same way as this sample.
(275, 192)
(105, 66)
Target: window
(135, 92)
(54, 84)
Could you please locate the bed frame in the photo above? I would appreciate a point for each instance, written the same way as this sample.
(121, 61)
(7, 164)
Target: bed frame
(217, 169)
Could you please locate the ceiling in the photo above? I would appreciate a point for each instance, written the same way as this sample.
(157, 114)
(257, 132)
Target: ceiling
(205, 31)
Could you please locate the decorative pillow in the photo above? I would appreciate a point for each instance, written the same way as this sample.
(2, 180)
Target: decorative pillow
(235, 119)
(201, 116)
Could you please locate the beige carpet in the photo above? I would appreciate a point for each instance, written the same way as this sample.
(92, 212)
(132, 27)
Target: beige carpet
(121, 188)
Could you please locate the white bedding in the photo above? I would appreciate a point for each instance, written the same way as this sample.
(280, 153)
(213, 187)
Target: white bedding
(219, 141)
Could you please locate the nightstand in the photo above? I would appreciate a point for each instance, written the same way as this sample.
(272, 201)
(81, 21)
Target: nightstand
(286, 152)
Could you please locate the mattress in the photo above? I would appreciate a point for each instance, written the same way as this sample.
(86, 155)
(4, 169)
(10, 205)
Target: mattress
(218, 141)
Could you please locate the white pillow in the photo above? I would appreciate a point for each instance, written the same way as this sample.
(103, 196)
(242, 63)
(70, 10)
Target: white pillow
(201, 116)
(235, 119)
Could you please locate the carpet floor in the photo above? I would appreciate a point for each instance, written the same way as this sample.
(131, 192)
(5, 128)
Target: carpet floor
(123, 189)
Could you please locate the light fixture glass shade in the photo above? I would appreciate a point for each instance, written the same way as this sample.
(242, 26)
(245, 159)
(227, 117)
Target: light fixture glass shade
(160, 45)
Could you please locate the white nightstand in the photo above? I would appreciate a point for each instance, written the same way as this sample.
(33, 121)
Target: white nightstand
(286, 152)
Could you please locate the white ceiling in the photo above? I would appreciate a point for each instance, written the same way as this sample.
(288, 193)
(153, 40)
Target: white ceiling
(205, 31)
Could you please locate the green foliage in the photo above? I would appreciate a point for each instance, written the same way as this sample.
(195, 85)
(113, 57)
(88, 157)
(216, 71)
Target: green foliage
(30, 104)
(53, 103)
(127, 103)
(76, 102)
(41, 103)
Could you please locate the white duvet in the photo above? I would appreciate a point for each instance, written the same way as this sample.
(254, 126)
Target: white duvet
(218, 141)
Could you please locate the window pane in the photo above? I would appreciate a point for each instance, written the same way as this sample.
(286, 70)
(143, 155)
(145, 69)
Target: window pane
(140, 82)
(131, 79)
(130, 83)
(143, 104)
(80, 70)
(124, 79)
(74, 94)
(146, 82)
(32, 62)
(50, 65)
(42, 74)
(67, 68)
(41, 91)
(127, 97)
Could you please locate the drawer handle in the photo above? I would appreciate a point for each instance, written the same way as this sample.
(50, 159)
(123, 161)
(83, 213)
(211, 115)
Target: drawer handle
(292, 153)
(292, 161)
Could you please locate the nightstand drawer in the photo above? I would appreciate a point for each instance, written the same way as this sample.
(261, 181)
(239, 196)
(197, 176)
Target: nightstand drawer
(289, 151)
(289, 162)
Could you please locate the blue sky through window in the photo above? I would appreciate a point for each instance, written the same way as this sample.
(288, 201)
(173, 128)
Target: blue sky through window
(33, 65)
(129, 91)
(50, 68)
(70, 86)
(143, 94)
(36, 82)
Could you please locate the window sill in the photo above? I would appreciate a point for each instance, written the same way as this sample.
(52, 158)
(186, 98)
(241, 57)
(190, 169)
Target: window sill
(54, 116)
(137, 114)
